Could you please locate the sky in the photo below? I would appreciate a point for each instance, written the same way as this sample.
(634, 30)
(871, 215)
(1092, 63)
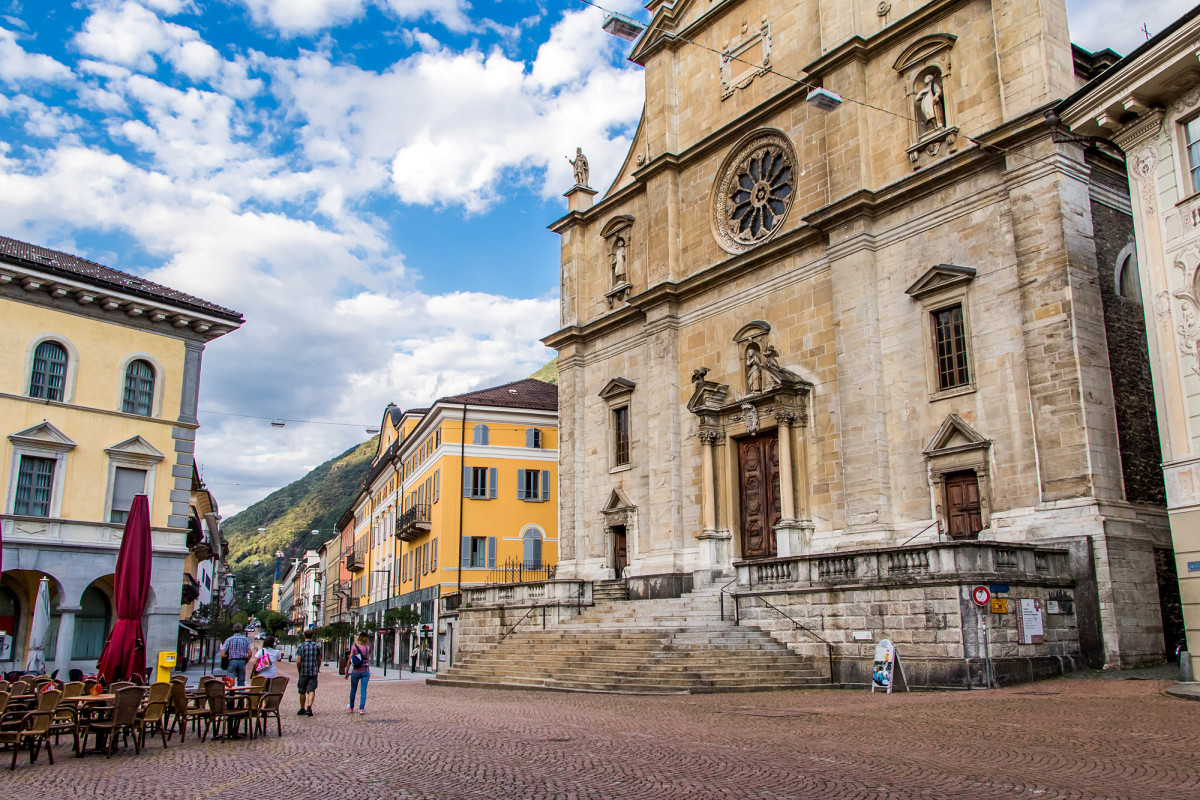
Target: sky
(368, 181)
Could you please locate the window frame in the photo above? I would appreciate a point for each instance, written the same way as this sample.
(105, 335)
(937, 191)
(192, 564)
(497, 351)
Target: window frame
(136, 405)
(480, 435)
(1191, 172)
(941, 288)
(480, 490)
(133, 453)
(39, 441)
(34, 474)
(618, 394)
(44, 387)
(955, 346)
(621, 439)
(156, 391)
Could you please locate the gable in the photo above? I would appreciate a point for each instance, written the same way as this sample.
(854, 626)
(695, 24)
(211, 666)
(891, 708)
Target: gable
(937, 278)
(617, 501)
(43, 435)
(955, 434)
(137, 448)
(617, 387)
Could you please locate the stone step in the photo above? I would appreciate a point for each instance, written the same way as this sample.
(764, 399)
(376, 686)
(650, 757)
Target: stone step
(618, 688)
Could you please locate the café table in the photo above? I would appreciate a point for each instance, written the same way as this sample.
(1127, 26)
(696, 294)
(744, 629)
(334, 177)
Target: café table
(87, 705)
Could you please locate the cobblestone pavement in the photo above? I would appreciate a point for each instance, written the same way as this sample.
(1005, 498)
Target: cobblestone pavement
(1065, 738)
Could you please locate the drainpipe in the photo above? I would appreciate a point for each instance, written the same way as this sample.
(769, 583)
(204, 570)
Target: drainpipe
(462, 490)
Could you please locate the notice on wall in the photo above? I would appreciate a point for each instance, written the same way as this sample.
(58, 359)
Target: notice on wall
(6, 643)
(1030, 627)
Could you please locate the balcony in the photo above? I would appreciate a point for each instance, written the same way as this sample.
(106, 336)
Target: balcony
(414, 523)
(354, 561)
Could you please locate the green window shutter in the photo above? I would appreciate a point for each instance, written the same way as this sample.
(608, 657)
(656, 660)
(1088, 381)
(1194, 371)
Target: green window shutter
(491, 552)
(521, 485)
(492, 483)
(466, 481)
(466, 552)
(545, 485)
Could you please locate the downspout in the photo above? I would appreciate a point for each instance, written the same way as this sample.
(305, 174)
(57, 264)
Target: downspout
(462, 489)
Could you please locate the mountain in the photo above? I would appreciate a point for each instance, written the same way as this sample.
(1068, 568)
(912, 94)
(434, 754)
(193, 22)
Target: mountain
(315, 502)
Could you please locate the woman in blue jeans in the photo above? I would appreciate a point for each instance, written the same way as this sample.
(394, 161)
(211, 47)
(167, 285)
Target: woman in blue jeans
(360, 671)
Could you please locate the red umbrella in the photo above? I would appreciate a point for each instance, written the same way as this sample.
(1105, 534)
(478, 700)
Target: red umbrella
(124, 653)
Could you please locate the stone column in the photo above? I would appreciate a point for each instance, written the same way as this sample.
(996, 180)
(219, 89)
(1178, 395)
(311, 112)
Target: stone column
(790, 539)
(714, 543)
(65, 642)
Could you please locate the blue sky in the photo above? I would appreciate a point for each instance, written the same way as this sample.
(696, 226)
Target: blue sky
(368, 181)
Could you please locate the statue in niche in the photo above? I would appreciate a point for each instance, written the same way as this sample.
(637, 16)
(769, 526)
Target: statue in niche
(931, 103)
(580, 165)
(618, 261)
(754, 369)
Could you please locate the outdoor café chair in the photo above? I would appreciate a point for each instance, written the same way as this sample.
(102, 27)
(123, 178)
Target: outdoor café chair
(183, 712)
(220, 712)
(117, 686)
(269, 706)
(65, 720)
(34, 730)
(73, 689)
(122, 721)
(4, 685)
(74, 674)
(259, 682)
(152, 717)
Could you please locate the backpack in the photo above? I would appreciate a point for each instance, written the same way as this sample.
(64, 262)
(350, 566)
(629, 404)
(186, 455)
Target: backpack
(264, 661)
(357, 658)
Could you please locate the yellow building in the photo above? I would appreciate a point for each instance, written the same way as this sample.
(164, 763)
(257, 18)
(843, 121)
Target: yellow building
(99, 381)
(460, 494)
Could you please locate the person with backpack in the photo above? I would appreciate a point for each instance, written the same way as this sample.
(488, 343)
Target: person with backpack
(360, 671)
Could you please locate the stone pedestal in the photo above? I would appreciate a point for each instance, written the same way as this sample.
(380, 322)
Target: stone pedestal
(579, 198)
(793, 538)
(715, 550)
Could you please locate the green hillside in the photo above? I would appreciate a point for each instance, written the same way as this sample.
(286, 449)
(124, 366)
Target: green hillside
(315, 502)
(548, 373)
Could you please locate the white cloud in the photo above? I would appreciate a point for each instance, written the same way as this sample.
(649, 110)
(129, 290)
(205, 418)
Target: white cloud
(1117, 24)
(16, 64)
(304, 16)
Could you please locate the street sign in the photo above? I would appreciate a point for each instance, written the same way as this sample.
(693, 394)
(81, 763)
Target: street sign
(981, 595)
(999, 605)
(1194, 566)
(998, 588)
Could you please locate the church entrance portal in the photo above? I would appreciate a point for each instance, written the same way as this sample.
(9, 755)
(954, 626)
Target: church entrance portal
(758, 469)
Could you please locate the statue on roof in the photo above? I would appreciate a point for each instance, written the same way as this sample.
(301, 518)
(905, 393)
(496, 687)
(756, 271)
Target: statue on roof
(580, 164)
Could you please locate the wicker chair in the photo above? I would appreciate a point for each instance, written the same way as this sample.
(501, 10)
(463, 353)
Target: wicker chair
(65, 720)
(117, 686)
(34, 730)
(219, 712)
(269, 707)
(183, 712)
(73, 689)
(153, 716)
(259, 682)
(122, 720)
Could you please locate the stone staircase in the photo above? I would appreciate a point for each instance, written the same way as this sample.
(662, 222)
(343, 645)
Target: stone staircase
(610, 590)
(676, 646)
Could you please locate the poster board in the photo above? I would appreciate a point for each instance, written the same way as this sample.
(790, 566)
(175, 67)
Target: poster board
(1030, 626)
(886, 666)
(6, 646)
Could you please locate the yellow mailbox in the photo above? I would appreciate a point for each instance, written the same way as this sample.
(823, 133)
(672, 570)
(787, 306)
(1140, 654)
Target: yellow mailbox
(166, 663)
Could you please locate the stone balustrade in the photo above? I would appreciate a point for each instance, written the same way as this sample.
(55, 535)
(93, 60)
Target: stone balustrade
(953, 562)
(565, 592)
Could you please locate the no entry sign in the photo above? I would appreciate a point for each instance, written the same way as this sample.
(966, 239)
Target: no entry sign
(981, 595)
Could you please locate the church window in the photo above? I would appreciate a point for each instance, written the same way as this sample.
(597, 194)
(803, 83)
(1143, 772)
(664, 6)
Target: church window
(950, 343)
(620, 423)
(755, 191)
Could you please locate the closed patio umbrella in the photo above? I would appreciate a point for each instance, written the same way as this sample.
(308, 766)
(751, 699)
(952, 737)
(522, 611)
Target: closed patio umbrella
(124, 653)
(35, 662)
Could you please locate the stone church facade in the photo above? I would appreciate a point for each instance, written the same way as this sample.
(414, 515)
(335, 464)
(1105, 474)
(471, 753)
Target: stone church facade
(820, 351)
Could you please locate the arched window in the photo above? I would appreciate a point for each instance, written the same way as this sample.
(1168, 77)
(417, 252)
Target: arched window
(10, 615)
(139, 388)
(532, 538)
(91, 625)
(48, 377)
(1128, 282)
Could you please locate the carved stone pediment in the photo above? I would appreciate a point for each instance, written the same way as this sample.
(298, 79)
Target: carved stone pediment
(937, 278)
(708, 396)
(135, 448)
(955, 435)
(617, 501)
(616, 388)
(924, 50)
(43, 436)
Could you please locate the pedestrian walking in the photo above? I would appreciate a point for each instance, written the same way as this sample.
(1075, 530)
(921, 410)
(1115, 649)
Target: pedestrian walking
(237, 649)
(360, 671)
(268, 657)
(414, 653)
(308, 665)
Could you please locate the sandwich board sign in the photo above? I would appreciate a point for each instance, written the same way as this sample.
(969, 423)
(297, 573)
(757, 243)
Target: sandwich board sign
(887, 663)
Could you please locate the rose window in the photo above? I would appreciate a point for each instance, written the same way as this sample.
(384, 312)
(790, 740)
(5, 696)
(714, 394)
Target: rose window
(755, 192)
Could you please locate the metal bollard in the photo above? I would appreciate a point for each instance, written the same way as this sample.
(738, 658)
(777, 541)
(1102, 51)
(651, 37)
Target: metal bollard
(1185, 667)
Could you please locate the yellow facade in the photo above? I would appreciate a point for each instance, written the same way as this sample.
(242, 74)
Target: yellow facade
(414, 510)
(107, 411)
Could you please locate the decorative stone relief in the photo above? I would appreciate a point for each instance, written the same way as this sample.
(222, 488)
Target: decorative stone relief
(754, 192)
(1188, 295)
(750, 418)
(746, 58)
(617, 233)
(925, 67)
(1141, 167)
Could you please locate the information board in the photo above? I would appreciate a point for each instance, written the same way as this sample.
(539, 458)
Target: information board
(1029, 622)
(885, 663)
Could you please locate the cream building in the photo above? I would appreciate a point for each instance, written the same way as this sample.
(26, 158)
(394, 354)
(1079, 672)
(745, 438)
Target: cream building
(1148, 106)
(99, 380)
(795, 339)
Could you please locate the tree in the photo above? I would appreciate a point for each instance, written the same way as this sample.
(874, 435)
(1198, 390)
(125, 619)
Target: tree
(274, 622)
(405, 617)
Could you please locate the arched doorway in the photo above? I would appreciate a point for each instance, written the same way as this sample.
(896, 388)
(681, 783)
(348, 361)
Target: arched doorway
(532, 539)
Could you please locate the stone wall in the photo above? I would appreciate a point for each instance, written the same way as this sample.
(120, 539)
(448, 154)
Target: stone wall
(920, 599)
(487, 613)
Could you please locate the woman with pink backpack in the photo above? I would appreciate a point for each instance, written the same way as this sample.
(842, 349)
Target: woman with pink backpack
(264, 663)
(360, 671)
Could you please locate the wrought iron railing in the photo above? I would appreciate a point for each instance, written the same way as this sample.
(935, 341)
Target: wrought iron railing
(354, 561)
(517, 571)
(413, 523)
